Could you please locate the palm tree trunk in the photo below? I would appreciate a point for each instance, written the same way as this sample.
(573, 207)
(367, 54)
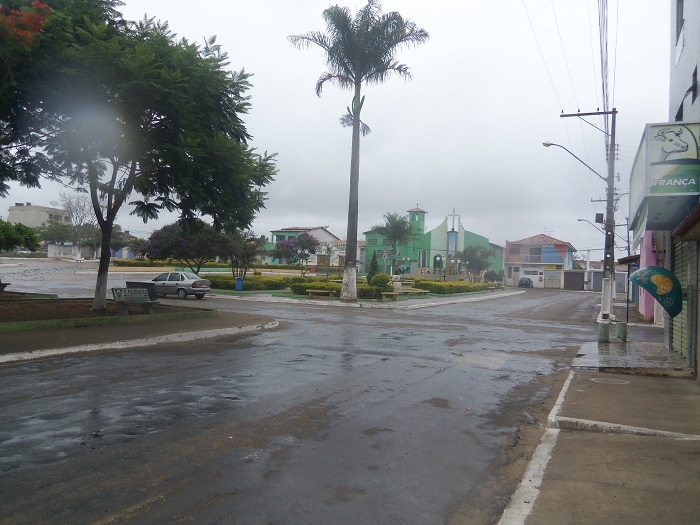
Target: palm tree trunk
(349, 290)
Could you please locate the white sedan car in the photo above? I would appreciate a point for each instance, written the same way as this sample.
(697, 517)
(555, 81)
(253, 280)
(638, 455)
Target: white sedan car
(182, 284)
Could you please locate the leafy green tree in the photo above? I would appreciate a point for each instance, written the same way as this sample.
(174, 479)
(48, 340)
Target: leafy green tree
(21, 24)
(373, 267)
(397, 230)
(243, 250)
(476, 261)
(193, 243)
(55, 231)
(27, 236)
(139, 247)
(359, 51)
(492, 276)
(17, 236)
(120, 109)
(9, 238)
(119, 238)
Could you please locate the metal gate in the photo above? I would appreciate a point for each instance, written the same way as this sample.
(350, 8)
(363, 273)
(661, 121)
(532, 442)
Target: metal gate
(685, 269)
(574, 279)
(552, 279)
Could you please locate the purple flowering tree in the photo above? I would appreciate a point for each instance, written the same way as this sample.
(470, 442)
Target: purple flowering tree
(297, 251)
(192, 246)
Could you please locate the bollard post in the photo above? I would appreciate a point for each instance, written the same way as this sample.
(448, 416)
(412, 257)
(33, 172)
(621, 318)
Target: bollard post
(603, 331)
(621, 331)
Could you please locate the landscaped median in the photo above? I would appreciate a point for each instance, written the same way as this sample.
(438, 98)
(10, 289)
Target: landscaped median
(34, 312)
(298, 285)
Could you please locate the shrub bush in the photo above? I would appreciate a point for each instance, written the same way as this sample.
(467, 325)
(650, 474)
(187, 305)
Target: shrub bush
(300, 288)
(251, 283)
(381, 279)
(451, 287)
(147, 263)
(365, 291)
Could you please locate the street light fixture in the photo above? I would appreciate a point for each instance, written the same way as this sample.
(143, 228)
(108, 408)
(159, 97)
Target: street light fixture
(548, 144)
(608, 295)
(303, 255)
(601, 231)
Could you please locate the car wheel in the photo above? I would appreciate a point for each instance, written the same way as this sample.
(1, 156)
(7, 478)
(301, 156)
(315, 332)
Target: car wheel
(199, 295)
(182, 293)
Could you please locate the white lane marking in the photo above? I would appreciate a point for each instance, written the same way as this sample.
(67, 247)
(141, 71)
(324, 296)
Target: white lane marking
(524, 497)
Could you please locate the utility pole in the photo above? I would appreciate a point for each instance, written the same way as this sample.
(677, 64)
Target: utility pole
(608, 295)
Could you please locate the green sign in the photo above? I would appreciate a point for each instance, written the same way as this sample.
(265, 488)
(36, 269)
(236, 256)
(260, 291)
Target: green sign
(662, 285)
(678, 179)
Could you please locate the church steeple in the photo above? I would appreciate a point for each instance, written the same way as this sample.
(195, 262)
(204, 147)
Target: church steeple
(416, 216)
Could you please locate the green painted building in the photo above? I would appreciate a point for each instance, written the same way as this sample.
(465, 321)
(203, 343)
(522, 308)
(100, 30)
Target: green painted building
(428, 252)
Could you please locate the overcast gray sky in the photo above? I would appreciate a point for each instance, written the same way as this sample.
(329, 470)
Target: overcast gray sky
(465, 133)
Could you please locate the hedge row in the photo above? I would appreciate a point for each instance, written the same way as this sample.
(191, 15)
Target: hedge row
(439, 287)
(252, 282)
(364, 291)
(135, 263)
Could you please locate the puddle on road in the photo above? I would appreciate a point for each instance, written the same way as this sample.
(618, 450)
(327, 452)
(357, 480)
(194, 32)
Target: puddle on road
(438, 402)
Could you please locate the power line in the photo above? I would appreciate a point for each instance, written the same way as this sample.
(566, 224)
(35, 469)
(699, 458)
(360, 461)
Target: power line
(617, 33)
(563, 52)
(595, 77)
(603, 29)
(544, 62)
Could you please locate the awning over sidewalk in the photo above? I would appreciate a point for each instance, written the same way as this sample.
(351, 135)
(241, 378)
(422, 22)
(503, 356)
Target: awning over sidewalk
(630, 259)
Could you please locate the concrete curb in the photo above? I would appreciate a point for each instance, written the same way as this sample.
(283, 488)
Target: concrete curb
(386, 306)
(133, 343)
(524, 497)
(570, 423)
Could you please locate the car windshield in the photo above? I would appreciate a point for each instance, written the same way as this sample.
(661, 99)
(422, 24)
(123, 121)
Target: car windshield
(191, 276)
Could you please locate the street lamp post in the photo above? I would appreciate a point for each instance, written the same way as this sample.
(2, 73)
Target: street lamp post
(303, 255)
(438, 259)
(608, 292)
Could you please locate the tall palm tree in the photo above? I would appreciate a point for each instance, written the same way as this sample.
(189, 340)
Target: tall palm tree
(397, 230)
(359, 50)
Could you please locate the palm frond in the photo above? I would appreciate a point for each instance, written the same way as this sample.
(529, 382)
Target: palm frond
(347, 121)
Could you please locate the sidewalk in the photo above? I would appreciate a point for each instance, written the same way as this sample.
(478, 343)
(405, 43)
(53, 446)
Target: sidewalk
(618, 448)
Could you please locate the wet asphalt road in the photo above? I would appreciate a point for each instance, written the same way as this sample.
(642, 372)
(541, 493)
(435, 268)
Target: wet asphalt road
(342, 415)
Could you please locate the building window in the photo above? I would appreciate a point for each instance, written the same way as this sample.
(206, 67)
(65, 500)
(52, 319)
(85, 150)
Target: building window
(422, 258)
(515, 250)
(387, 242)
(372, 242)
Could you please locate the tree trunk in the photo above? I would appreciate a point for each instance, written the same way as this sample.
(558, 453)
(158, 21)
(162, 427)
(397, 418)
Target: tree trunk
(349, 289)
(103, 269)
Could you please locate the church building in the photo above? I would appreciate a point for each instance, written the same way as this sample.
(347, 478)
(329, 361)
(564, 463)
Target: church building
(435, 251)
